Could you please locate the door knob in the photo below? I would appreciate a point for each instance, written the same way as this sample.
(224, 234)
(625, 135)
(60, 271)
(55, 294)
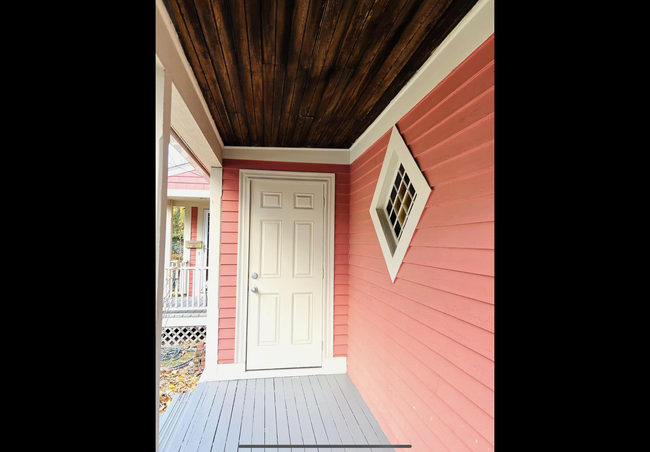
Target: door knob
(254, 289)
(254, 276)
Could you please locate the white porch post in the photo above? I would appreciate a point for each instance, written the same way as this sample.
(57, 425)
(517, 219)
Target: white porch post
(214, 272)
(163, 118)
(168, 233)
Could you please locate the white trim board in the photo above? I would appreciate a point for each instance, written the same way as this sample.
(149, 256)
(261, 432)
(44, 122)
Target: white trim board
(241, 313)
(237, 371)
(184, 321)
(299, 155)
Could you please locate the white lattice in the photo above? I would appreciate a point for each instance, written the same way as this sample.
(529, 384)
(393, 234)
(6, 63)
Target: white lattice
(176, 335)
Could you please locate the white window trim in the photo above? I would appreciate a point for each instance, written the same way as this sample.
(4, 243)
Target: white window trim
(245, 178)
(396, 153)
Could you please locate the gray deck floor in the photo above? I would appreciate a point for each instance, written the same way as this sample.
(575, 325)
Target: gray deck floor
(218, 416)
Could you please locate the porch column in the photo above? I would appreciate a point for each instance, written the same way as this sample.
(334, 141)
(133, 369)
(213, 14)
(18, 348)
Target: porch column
(163, 118)
(214, 273)
(168, 233)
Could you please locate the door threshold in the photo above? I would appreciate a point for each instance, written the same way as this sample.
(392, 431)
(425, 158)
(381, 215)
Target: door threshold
(237, 371)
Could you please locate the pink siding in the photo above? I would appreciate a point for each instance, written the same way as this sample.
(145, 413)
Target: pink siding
(190, 180)
(421, 350)
(229, 240)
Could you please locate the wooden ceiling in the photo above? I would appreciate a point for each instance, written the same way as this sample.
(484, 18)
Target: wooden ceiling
(306, 73)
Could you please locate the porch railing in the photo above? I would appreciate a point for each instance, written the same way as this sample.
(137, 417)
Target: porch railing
(185, 288)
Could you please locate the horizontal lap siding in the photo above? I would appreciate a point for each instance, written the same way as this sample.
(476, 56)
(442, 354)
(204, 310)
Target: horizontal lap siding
(229, 241)
(421, 349)
(228, 267)
(191, 180)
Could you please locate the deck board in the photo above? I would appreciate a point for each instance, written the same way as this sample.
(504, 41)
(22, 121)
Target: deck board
(331, 403)
(232, 440)
(195, 432)
(246, 434)
(295, 434)
(314, 414)
(258, 413)
(281, 420)
(270, 429)
(303, 414)
(225, 418)
(353, 393)
(184, 423)
(218, 416)
(328, 421)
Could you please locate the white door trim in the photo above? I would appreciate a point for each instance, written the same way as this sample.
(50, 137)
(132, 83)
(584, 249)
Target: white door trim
(245, 178)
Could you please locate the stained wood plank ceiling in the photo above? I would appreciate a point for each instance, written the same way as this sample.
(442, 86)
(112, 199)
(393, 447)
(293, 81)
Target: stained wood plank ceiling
(306, 73)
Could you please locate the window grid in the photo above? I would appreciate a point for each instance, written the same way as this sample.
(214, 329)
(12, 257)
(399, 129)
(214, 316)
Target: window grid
(399, 203)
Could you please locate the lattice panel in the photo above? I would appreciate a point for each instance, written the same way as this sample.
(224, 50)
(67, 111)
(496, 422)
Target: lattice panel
(177, 335)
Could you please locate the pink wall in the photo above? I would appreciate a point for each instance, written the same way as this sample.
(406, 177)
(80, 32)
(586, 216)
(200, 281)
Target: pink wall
(421, 350)
(229, 232)
(190, 180)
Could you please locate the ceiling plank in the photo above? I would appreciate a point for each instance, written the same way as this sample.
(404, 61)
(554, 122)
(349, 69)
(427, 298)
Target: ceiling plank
(342, 73)
(387, 25)
(310, 37)
(254, 27)
(282, 36)
(268, 17)
(215, 52)
(223, 25)
(328, 71)
(449, 19)
(194, 34)
(380, 76)
(331, 14)
(240, 39)
(298, 22)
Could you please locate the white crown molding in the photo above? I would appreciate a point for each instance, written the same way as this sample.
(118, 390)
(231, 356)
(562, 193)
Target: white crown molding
(280, 154)
(468, 35)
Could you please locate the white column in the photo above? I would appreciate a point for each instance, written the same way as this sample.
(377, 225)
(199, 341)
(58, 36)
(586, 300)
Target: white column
(163, 117)
(168, 233)
(214, 271)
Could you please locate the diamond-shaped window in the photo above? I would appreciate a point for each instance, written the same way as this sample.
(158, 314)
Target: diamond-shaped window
(398, 202)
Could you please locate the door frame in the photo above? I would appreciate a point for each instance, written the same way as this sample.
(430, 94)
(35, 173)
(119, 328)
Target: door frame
(245, 178)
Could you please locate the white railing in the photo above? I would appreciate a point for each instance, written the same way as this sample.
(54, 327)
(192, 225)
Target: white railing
(185, 288)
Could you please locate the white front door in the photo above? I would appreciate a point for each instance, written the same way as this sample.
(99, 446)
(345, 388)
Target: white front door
(285, 299)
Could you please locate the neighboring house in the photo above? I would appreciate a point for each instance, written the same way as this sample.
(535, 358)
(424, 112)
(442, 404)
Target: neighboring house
(185, 284)
(409, 315)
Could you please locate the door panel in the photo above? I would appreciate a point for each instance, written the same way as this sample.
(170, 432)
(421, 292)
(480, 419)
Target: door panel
(303, 249)
(285, 314)
(268, 319)
(301, 320)
(271, 249)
